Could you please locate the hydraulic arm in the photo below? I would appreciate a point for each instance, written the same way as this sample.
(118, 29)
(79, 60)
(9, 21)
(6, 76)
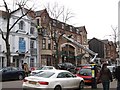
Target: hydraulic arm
(81, 46)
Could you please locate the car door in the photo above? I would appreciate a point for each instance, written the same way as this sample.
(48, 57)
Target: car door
(14, 73)
(66, 80)
(6, 75)
(61, 78)
(72, 79)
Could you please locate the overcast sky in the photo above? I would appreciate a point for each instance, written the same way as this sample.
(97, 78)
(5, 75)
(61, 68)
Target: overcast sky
(96, 15)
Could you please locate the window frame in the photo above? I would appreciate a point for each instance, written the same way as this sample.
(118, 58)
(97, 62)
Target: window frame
(43, 43)
(22, 25)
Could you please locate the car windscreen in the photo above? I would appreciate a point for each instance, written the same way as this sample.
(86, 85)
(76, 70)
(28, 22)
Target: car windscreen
(33, 73)
(45, 74)
(46, 68)
(85, 72)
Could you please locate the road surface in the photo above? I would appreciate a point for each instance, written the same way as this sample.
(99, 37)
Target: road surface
(17, 85)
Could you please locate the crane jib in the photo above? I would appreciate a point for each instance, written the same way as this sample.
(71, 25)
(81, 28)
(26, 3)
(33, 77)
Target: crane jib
(81, 46)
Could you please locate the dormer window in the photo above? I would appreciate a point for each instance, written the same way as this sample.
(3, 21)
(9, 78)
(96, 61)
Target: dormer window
(21, 25)
(77, 31)
(38, 22)
(50, 26)
(54, 23)
(62, 26)
(71, 29)
(32, 30)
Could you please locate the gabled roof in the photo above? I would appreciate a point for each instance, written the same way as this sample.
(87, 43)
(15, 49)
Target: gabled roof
(95, 39)
(40, 12)
(105, 41)
(30, 13)
(82, 28)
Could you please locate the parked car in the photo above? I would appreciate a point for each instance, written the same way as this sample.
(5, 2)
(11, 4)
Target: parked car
(86, 73)
(11, 73)
(47, 68)
(53, 79)
(67, 66)
(38, 70)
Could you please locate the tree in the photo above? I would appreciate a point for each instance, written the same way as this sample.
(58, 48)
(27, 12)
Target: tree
(8, 13)
(115, 34)
(58, 13)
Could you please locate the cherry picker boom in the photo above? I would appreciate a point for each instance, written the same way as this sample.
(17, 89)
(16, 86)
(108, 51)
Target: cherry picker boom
(81, 46)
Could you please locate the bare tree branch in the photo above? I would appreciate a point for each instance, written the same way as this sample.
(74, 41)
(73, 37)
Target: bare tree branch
(9, 13)
(115, 33)
(68, 16)
(6, 7)
(20, 18)
(2, 34)
(59, 12)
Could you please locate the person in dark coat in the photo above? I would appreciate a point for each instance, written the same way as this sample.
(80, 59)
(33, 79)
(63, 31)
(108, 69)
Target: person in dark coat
(23, 66)
(105, 77)
(117, 76)
(26, 69)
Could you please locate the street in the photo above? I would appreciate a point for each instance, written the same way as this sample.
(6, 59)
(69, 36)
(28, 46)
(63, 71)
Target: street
(113, 86)
(13, 85)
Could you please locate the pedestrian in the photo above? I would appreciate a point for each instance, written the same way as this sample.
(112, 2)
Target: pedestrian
(117, 76)
(26, 69)
(105, 77)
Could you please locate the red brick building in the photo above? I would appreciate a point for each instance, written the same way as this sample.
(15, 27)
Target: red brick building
(67, 51)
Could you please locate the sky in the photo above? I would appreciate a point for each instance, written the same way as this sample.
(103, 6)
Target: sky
(96, 15)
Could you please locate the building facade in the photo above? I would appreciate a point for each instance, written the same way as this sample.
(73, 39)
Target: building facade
(106, 49)
(52, 43)
(23, 40)
(37, 40)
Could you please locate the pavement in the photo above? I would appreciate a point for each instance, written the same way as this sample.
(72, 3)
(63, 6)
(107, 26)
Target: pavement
(113, 86)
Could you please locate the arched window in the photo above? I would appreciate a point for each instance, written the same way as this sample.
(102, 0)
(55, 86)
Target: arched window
(21, 25)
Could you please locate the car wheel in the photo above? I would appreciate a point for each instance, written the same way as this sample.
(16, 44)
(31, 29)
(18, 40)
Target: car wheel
(81, 85)
(20, 77)
(57, 88)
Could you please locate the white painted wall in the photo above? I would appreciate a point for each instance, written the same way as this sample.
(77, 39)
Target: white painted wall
(14, 36)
